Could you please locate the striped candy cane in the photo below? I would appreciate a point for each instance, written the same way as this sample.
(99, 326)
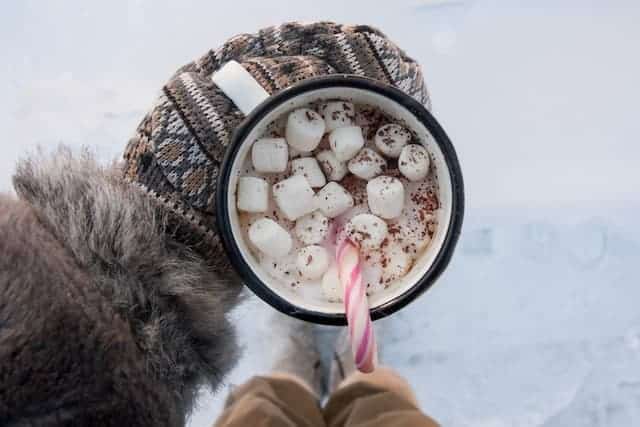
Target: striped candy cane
(363, 342)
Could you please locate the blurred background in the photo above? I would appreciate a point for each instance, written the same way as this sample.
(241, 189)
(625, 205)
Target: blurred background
(537, 320)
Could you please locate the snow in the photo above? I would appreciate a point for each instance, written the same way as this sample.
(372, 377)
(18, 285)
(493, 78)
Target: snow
(536, 322)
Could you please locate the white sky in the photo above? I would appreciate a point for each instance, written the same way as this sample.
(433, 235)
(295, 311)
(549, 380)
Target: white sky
(540, 100)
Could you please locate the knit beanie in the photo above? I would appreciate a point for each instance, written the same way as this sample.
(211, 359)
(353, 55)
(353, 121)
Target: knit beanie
(177, 149)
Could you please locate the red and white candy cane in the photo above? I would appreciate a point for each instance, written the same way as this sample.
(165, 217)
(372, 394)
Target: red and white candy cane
(362, 337)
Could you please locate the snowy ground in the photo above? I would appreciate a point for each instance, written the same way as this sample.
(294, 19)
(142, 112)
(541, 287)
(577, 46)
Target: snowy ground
(536, 323)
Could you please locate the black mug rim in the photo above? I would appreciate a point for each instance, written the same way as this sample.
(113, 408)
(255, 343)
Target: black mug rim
(446, 251)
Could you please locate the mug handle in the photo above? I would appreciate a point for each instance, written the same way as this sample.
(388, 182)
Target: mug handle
(240, 86)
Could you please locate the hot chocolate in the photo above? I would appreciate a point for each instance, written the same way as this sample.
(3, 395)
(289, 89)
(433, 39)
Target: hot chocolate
(335, 169)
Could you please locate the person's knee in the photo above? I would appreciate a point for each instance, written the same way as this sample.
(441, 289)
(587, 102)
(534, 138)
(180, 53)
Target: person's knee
(273, 399)
(384, 378)
(252, 410)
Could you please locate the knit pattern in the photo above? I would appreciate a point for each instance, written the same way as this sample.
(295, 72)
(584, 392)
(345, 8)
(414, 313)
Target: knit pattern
(176, 152)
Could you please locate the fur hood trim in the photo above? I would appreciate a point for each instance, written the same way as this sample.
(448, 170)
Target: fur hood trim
(173, 299)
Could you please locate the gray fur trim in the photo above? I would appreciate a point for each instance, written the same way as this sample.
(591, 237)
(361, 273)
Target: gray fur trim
(174, 301)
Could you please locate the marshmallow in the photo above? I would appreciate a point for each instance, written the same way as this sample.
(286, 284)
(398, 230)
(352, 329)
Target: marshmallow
(312, 262)
(312, 228)
(333, 168)
(391, 138)
(270, 238)
(385, 196)
(367, 164)
(270, 155)
(346, 142)
(252, 194)
(310, 169)
(366, 230)
(333, 200)
(413, 231)
(331, 285)
(372, 276)
(396, 263)
(337, 114)
(304, 129)
(414, 162)
(294, 197)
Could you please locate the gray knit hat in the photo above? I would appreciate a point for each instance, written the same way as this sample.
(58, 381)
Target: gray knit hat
(176, 152)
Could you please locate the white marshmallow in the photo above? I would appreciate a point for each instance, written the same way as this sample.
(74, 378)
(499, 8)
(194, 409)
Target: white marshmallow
(366, 230)
(304, 129)
(396, 263)
(312, 228)
(385, 196)
(391, 138)
(333, 168)
(270, 238)
(413, 231)
(312, 262)
(270, 155)
(372, 276)
(294, 197)
(346, 142)
(414, 162)
(367, 164)
(310, 169)
(333, 200)
(331, 285)
(337, 114)
(252, 194)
